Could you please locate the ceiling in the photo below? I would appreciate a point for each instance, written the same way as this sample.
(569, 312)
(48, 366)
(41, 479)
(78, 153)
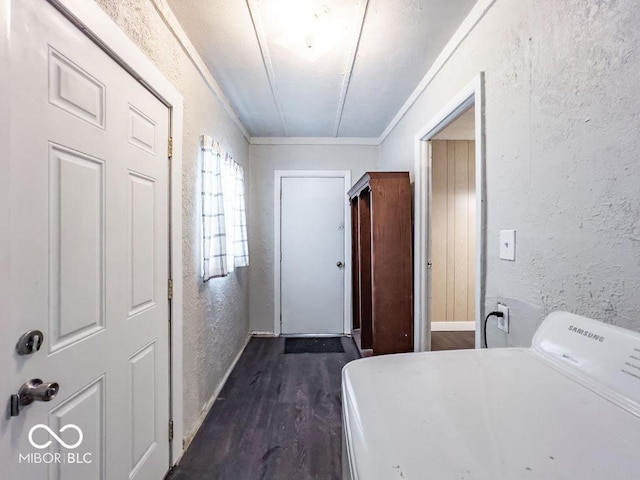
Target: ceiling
(318, 68)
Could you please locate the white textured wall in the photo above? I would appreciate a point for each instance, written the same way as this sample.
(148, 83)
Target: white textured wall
(265, 159)
(563, 166)
(216, 314)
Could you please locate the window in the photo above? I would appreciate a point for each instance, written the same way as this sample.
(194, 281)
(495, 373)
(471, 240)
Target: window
(224, 224)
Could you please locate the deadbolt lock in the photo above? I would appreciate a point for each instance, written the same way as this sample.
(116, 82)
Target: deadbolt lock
(30, 342)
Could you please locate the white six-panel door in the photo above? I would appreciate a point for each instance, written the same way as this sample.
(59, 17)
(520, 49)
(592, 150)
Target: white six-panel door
(88, 257)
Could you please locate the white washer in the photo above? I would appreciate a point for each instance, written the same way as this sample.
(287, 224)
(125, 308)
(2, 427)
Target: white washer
(566, 408)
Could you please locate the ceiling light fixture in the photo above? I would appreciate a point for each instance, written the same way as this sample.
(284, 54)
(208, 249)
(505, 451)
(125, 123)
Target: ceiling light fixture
(308, 30)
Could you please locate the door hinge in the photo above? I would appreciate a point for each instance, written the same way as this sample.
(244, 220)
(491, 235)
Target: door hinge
(170, 430)
(170, 147)
(170, 288)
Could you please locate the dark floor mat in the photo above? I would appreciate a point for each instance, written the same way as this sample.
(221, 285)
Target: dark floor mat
(313, 345)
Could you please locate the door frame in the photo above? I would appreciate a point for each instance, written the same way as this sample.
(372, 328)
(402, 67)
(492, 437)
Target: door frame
(472, 94)
(278, 175)
(104, 32)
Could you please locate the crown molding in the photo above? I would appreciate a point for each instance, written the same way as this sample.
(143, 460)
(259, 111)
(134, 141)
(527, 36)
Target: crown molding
(169, 18)
(368, 141)
(475, 15)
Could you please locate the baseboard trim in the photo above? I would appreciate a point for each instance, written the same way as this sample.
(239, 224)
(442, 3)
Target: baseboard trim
(188, 438)
(263, 334)
(452, 326)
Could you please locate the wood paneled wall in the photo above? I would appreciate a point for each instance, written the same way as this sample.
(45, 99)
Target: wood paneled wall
(453, 230)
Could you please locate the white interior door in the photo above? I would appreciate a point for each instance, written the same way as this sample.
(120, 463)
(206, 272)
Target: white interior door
(312, 255)
(88, 259)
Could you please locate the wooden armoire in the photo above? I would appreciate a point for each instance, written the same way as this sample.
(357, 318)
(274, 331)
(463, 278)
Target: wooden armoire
(381, 261)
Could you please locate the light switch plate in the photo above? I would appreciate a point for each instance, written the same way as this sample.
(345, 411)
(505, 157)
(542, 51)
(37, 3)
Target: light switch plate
(508, 244)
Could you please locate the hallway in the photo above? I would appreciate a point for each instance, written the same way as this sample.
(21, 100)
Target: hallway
(278, 417)
(147, 148)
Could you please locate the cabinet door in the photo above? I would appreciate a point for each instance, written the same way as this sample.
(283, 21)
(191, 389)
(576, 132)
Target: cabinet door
(364, 234)
(392, 278)
(355, 264)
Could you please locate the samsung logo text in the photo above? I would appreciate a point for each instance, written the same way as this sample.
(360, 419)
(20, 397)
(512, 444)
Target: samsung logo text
(586, 333)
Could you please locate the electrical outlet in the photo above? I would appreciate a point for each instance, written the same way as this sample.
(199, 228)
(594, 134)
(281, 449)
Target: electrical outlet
(503, 322)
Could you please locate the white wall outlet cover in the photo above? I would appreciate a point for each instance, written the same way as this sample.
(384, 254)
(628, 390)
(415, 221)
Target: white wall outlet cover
(508, 245)
(503, 322)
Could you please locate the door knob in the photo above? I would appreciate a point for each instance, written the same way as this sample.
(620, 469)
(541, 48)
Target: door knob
(339, 264)
(35, 390)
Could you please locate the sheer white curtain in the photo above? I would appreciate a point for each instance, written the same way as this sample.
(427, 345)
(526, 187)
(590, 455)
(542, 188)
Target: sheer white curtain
(235, 215)
(214, 246)
(224, 223)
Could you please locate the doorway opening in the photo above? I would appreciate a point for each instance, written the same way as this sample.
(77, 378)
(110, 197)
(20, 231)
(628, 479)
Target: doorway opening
(452, 235)
(450, 225)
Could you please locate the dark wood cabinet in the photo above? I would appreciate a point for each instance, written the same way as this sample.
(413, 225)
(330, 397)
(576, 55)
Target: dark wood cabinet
(381, 260)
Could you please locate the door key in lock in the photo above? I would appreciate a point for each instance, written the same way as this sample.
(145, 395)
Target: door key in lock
(33, 390)
(30, 342)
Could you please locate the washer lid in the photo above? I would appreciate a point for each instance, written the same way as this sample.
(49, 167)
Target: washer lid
(483, 414)
(604, 357)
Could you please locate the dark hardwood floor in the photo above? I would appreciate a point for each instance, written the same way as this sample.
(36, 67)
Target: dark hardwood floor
(452, 340)
(279, 416)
